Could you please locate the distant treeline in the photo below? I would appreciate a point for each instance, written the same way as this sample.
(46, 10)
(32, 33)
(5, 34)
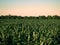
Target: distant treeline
(30, 17)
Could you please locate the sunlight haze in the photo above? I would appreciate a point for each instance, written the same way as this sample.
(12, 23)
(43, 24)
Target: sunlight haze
(30, 7)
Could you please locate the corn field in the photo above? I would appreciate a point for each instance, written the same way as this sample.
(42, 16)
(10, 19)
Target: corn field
(29, 31)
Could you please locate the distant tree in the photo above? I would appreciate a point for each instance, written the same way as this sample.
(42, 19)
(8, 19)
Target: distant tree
(56, 17)
(25, 17)
(42, 17)
(49, 17)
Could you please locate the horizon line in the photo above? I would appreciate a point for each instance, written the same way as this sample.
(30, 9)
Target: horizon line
(27, 15)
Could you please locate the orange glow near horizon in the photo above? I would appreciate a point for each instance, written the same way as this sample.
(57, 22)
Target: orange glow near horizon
(30, 11)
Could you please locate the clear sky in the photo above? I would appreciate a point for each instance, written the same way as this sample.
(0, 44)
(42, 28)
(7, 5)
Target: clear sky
(30, 7)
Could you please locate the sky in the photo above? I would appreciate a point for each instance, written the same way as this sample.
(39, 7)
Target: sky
(30, 7)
